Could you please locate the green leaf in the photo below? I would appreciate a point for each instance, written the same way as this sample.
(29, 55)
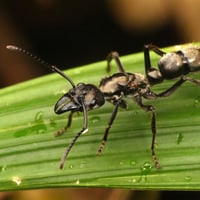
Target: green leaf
(30, 154)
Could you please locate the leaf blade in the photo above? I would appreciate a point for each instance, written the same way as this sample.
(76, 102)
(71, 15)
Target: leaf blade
(30, 153)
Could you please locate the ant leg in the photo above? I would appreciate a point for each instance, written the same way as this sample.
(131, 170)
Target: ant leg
(155, 49)
(174, 87)
(114, 55)
(149, 108)
(83, 130)
(111, 120)
(197, 82)
(153, 75)
(64, 129)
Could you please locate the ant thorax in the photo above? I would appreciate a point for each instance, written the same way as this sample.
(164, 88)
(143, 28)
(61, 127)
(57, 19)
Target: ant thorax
(127, 83)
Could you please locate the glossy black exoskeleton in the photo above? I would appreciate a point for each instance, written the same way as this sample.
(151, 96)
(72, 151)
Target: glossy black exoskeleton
(137, 86)
(172, 65)
(80, 98)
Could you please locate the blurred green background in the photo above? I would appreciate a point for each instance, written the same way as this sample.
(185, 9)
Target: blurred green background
(72, 33)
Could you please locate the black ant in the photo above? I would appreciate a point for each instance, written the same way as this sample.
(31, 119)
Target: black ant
(136, 86)
(80, 98)
(85, 97)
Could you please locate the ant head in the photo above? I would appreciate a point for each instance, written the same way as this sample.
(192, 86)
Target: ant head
(39, 60)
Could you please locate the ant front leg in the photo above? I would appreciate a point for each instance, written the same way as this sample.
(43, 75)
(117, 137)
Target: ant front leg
(64, 129)
(151, 109)
(114, 55)
(153, 75)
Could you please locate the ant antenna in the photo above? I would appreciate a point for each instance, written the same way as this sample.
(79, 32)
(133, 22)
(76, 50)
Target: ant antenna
(39, 60)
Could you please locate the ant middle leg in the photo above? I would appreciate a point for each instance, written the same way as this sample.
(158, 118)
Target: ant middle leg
(111, 120)
(114, 55)
(149, 108)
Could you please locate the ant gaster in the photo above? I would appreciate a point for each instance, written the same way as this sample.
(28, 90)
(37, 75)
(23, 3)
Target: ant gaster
(172, 65)
(81, 98)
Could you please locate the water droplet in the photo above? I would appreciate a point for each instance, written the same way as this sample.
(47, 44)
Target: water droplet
(132, 180)
(188, 178)
(39, 127)
(133, 162)
(17, 180)
(3, 168)
(197, 102)
(71, 166)
(179, 138)
(52, 122)
(146, 168)
(77, 182)
(22, 132)
(39, 117)
(42, 129)
(95, 119)
(121, 163)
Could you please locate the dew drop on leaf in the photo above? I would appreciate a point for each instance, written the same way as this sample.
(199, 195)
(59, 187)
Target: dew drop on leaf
(3, 168)
(133, 162)
(146, 168)
(39, 116)
(188, 178)
(179, 138)
(52, 122)
(95, 119)
(71, 166)
(197, 102)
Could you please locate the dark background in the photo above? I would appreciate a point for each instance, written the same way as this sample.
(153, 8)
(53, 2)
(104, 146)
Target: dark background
(73, 33)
